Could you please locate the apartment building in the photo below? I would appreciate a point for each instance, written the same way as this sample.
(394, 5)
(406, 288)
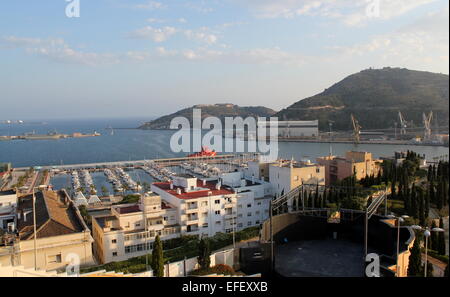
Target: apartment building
(8, 204)
(203, 207)
(253, 198)
(62, 236)
(287, 175)
(338, 168)
(130, 230)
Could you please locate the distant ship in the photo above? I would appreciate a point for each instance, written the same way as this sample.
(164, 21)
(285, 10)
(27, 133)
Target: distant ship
(205, 152)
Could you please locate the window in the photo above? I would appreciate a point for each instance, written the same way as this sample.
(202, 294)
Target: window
(239, 225)
(114, 241)
(218, 222)
(257, 212)
(239, 206)
(217, 201)
(259, 203)
(217, 212)
(114, 254)
(138, 224)
(166, 218)
(317, 170)
(240, 215)
(249, 223)
(54, 258)
(205, 225)
(257, 222)
(249, 214)
(204, 203)
(249, 205)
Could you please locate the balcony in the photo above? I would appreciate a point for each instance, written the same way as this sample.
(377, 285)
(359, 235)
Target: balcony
(230, 216)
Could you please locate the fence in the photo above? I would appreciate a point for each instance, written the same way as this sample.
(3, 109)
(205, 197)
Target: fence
(182, 268)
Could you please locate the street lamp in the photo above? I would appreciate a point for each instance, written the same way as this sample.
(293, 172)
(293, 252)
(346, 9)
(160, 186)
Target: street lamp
(41, 187)
(400, 220)
(427, 234)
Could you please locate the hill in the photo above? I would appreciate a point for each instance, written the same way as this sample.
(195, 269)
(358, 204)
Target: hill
(375, 96)
(215, 110)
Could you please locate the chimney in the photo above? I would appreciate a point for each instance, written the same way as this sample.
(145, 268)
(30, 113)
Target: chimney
(204, 182)
(178, 191)
(171, 186)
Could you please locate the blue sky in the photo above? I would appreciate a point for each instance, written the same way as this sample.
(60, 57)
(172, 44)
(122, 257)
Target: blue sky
(147, 58)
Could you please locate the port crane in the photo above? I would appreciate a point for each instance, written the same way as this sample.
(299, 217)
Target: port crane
(403, 123)
(427, 125)
(356, 129)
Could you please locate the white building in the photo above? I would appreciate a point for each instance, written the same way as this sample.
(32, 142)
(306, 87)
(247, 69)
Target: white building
(294, 128)
(131, 229)
(8, 204)
(283, 175)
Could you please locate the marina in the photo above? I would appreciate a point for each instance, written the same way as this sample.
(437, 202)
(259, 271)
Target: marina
(122, 178)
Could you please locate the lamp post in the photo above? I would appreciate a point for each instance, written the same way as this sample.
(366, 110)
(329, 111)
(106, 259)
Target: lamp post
(426, 233)
(41, 187)
(400, 220)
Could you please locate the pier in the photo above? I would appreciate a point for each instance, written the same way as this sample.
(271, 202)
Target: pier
(162, 162)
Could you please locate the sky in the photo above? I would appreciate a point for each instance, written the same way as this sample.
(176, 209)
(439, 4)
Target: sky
(139, 58)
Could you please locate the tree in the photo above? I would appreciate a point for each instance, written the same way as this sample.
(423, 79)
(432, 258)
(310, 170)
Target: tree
(415, 259)
(157, 258)
(441, 238)
(204, 254)
(434, 242)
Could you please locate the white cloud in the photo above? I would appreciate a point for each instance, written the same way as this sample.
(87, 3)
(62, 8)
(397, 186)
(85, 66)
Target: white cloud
(56, 49)
(155, 34)
(421, 44)
(350, 12)
(202, 36)
(155, 20)
(150, 5)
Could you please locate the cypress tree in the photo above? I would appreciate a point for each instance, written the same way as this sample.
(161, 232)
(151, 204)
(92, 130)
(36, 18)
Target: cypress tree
(427, 205)
(204, 254)
(441, 238)
(415, 259)
(434, 240)
(421, 207)
(439, 195)
(157, 258)
(414, 210)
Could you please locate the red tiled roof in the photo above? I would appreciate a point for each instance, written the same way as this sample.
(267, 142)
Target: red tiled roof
(210, 187)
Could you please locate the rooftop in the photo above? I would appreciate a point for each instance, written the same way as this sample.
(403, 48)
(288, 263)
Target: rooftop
(202, 192)
(55, 216)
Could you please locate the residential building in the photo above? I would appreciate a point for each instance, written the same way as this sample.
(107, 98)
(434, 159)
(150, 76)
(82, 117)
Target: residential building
(287, 175)
(130, 230)
(62, 237)
(8, 204)
(359, 163)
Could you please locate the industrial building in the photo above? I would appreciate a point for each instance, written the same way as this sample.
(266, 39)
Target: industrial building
(293, 129)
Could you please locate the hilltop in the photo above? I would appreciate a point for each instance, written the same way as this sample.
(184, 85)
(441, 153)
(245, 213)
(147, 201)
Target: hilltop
(210, 110)
(375, 96)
